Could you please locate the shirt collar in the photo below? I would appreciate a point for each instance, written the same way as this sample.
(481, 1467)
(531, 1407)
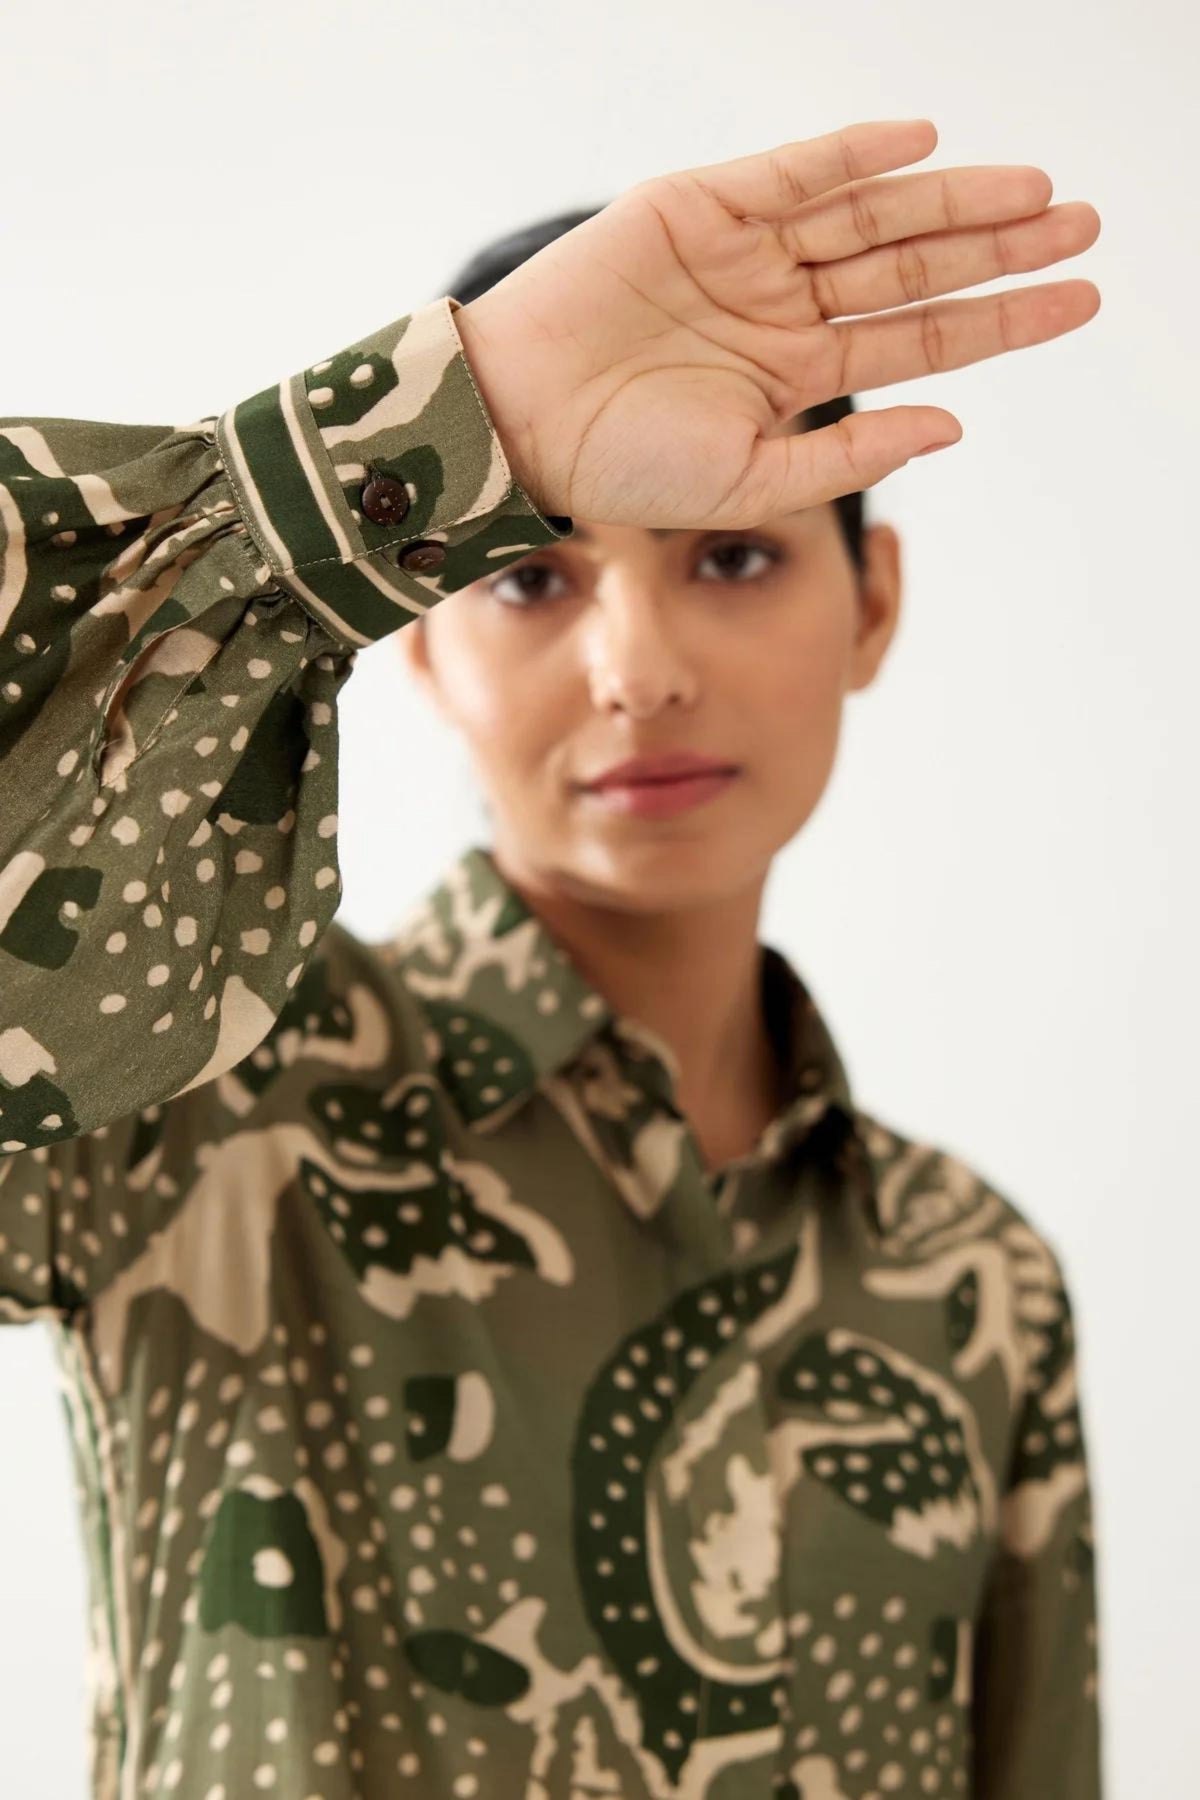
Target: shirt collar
(506, 1006)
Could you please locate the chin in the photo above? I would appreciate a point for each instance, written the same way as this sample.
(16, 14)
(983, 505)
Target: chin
(644, 872)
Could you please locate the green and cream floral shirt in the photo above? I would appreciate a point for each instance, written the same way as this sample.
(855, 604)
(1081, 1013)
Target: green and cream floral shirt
(443, 1425)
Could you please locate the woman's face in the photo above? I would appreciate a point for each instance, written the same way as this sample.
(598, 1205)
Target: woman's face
(624, 641)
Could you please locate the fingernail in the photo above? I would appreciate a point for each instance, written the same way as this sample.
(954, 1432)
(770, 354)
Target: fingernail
(941, 444)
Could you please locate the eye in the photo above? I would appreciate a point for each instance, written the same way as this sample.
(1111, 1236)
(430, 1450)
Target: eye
(527, 579)
(530, 582)
(733, 552)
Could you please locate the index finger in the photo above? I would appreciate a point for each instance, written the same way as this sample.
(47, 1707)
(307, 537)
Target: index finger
(773, 182)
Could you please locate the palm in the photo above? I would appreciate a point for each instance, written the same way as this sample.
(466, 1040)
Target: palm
(681, 362)
(667, 342)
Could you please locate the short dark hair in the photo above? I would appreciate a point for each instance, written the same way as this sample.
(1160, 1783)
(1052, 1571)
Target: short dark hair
(504, 254)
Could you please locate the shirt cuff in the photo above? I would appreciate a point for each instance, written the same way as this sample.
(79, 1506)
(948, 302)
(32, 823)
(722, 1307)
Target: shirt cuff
(400, 404)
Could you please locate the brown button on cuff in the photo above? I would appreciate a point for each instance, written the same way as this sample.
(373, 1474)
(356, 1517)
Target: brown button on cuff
(425, 554)
(332, 484)
(384, 501)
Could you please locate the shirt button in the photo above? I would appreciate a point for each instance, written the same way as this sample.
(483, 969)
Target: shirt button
(384, 501)
(421, 556)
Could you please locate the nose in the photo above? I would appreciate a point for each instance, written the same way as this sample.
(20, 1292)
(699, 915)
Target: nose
(635, 658)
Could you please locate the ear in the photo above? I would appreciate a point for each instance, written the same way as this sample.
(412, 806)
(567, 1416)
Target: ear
(412, 644)
(879, 590)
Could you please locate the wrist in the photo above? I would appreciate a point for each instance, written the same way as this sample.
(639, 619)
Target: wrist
(492, 365)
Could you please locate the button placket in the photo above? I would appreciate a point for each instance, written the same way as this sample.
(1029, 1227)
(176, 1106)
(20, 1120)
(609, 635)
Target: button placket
(698, 1251)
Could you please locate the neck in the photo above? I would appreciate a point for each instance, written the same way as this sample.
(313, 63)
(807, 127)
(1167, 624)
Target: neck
(647, 966)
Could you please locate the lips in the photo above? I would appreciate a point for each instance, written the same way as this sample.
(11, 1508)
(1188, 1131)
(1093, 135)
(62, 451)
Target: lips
(650, 770)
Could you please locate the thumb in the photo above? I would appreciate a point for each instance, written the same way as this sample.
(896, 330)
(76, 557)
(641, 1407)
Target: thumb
(806, 468)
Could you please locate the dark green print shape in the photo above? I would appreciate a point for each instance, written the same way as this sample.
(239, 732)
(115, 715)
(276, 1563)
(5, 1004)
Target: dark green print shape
(242, 1583)
(35, 932)
(390, 1229)
(621, 1428)
(929, 1467)
(458, 1665)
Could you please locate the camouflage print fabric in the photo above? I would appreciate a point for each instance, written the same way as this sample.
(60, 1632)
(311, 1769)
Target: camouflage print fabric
(444, 1426)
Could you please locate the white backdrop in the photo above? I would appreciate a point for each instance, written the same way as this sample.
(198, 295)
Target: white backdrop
(996, 902)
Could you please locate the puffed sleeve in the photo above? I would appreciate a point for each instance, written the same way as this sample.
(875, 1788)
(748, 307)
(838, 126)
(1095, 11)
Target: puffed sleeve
(1035, 1692)
(179, 609)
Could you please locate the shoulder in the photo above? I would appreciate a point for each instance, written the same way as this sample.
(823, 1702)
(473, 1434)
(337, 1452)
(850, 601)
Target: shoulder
(950, 1232)
(925, 1188)
(931, 1199)
(350, 1009)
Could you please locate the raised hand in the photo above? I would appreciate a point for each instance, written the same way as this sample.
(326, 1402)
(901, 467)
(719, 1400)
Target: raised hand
(644, 368)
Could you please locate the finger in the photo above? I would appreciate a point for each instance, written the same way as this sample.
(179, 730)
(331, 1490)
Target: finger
(866, 213)
(786, 474)
(947, 334)
(895, 274)
(776, 181)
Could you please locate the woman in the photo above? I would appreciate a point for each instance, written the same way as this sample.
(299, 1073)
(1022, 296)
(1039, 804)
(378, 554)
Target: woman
(474, 1389)
(566, 663)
